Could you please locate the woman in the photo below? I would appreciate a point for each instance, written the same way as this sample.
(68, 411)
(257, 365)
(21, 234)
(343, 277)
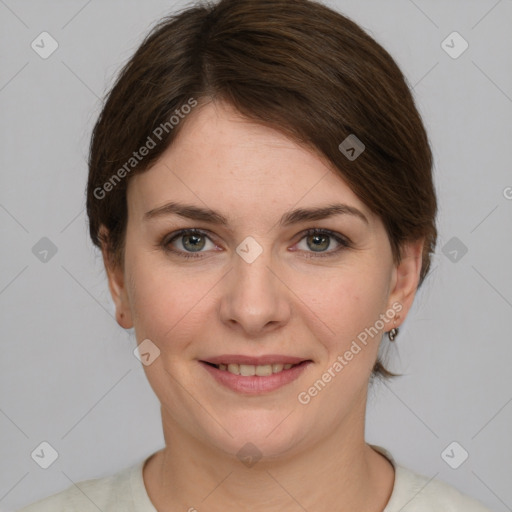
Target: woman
(260, 187)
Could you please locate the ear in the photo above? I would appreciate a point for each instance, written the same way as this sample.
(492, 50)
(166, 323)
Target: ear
(406, 278)
(116, 283)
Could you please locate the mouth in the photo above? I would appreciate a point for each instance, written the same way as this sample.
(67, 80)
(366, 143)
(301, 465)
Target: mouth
(250, 370)
(249, 366)
(255, 375)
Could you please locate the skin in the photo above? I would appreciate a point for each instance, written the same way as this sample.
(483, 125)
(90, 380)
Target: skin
(314, 455)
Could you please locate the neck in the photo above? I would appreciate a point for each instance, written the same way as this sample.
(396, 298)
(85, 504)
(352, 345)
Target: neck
(339, 473)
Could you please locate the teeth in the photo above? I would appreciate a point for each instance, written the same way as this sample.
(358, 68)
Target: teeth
(248, 370)
(263, 370)
(234, 368)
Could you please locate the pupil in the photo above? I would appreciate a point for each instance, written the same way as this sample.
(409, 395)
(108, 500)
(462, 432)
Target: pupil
(320, 237)
(195, 243)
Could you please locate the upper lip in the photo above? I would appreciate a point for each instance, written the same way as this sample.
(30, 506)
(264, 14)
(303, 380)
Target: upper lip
(256, 361)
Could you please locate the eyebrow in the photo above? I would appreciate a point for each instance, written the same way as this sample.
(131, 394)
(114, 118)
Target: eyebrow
(292, 217)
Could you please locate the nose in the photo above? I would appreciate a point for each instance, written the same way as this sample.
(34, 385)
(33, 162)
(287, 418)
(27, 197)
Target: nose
(255, 298)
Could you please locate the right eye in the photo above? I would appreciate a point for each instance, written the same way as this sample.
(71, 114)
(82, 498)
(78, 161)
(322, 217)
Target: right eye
(192, 241)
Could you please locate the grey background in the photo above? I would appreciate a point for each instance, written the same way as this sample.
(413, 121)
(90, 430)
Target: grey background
(68, 375)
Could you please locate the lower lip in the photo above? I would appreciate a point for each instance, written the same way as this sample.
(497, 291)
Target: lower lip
(254, 385)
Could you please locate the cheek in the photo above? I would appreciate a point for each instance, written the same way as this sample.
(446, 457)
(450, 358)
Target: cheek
(341, 306)
(168, 304)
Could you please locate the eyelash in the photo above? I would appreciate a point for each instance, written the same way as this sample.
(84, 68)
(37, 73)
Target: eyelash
(166, 241)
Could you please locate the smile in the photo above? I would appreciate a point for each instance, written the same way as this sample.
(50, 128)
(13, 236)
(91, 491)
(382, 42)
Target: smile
(254, 379)
(248, 370)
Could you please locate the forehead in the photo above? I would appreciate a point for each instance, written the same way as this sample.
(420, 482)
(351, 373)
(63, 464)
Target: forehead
(231, 164)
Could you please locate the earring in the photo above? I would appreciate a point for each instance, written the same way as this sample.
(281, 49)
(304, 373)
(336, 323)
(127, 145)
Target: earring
(394, 332)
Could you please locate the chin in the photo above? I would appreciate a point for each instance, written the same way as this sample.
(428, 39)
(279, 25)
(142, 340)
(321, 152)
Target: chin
(257, 434)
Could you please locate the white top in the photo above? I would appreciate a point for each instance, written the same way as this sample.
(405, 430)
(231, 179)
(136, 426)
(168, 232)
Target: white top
(124, 491)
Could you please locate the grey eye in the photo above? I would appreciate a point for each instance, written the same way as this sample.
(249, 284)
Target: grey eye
(193, 242)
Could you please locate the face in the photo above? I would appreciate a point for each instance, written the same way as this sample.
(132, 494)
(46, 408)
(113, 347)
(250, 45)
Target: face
(255, 287)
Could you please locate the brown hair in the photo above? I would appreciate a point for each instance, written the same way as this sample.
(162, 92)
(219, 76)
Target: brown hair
(294, 65)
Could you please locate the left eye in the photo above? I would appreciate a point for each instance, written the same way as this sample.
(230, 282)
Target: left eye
(321, 239)
(194, 240)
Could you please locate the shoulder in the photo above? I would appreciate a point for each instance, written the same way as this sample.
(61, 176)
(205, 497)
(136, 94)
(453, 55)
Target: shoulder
(111, 493)
(414, 492)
